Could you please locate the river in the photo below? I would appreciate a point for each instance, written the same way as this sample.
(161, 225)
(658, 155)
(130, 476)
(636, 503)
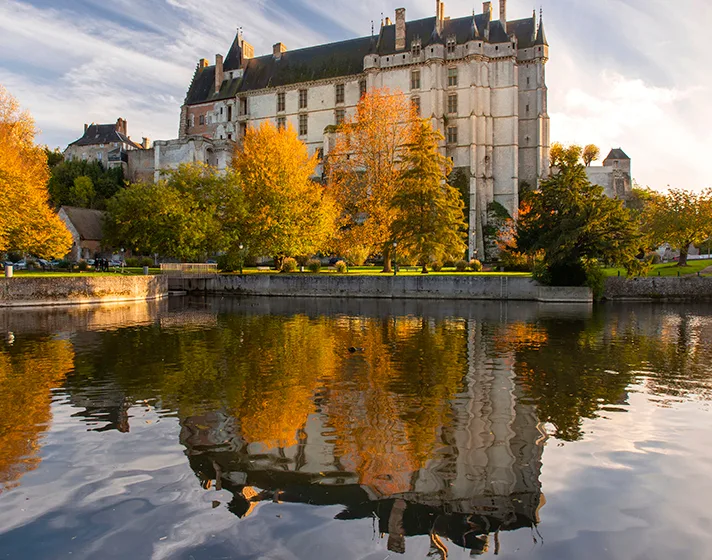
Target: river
(355, 429)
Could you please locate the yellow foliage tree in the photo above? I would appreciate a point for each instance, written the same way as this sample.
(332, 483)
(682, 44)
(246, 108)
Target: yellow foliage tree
(286, 212)
(27, 223)
(365, 167)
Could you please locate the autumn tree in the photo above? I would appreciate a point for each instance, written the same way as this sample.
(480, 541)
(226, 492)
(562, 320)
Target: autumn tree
(590, 154)
(83, 192)
(286, 212)
(365, 170)
(576, 226)
(27, 223)
(429, 221)
(681, 218)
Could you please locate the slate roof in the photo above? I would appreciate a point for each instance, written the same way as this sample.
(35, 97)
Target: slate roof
(617, 153)
(345, 58)
(103, 134)
(88, 223)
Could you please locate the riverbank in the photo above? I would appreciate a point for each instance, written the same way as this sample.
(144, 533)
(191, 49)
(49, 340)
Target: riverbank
(389, 287)
(685, 288)
(52, 291)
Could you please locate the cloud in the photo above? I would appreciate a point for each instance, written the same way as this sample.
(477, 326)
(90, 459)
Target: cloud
(626, 73)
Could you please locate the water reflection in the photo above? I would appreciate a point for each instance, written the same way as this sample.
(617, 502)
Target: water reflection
(430, 421)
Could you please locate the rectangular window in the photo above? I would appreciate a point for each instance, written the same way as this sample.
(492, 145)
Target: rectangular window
(452, 135)
(339, 93)
(416, 48)
(340, 116)
(201, 119)
(452, 77)
(243, 106)
(281, 102)
(229, 135)
(416, 104)
(221, 111)
(302, 99)
(229, 112)
(281, 122)
(303, 128)
(451, 44)
(362, 88)
(452, 103)
(243, 130)
(415, 79)
(99, 156)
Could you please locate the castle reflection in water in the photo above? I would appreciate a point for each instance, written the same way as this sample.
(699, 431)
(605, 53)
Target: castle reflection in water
(427, 419)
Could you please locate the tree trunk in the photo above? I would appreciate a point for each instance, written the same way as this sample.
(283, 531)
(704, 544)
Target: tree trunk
(683, 254)
(387, 252)
(425, 269)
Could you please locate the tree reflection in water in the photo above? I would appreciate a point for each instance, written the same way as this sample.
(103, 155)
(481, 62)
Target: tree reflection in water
(434, 426)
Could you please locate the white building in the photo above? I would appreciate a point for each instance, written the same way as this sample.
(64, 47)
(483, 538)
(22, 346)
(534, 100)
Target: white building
(481, 81)
(614, 175)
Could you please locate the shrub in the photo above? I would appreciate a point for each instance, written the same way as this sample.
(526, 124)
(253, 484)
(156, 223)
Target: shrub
(475, 265)
(228, 263)
(461, 266)
(146, 261)
(83, 266)
(302, 260)
(133, 262)
(340, 267)
(515, 262)
(357, 255)
(653, 258)
(436, 266)
(289, 265)
(449, 264)
(314, 265)
(64, 265)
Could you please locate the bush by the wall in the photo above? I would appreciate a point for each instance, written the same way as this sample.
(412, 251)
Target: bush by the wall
(133, 262)
(289, 265)
(146, 261)
(461, 266)
(314, 265)
(437, 266)
(83, 266)
(340, 267)
(475, 265)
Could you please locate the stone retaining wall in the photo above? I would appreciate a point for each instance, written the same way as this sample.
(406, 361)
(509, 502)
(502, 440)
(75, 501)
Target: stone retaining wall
(74, 290)
(406, 287)
(685, 288)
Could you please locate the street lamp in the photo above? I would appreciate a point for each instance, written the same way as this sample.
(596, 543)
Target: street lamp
(242, 257)
(395, 259)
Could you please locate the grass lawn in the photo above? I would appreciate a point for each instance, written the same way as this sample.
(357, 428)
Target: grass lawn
(403, 271)
(65, 274)
(668, 269)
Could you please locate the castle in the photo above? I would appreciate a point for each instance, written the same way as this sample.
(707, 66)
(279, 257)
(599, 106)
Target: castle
(480, 80)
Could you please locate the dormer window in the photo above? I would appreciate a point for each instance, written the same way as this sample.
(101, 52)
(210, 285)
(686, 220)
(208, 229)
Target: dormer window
(450, 45)
(415, 48)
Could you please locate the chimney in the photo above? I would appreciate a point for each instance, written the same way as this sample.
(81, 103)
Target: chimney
(388, 21)
(277, 50)
(248, 51)
(487, 10)
(219, 74)
(85, 127)
(146, 143)
(439, 11)
(202, 63)
(121, 126)
(503, 12)
(400, 29)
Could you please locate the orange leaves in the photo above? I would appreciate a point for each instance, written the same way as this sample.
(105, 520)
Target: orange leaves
(27, 223)
(287, 212)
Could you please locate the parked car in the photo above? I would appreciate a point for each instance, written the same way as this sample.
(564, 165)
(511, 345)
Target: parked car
(20, 265)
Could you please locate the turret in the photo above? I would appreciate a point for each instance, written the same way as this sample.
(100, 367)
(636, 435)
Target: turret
(540, 35)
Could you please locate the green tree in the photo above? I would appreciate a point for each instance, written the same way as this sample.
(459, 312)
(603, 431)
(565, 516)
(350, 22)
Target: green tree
(576, 226)
(106, 182)
(682, 218)
(157, 218)
(286, 212)
(430, 223)
(54, 157)
(83, 192)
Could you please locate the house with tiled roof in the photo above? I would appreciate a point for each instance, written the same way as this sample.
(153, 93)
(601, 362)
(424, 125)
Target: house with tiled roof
(109, 144)
(87, 229)
(480, 80)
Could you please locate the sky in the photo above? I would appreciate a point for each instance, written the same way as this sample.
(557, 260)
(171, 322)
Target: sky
(622, 73)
